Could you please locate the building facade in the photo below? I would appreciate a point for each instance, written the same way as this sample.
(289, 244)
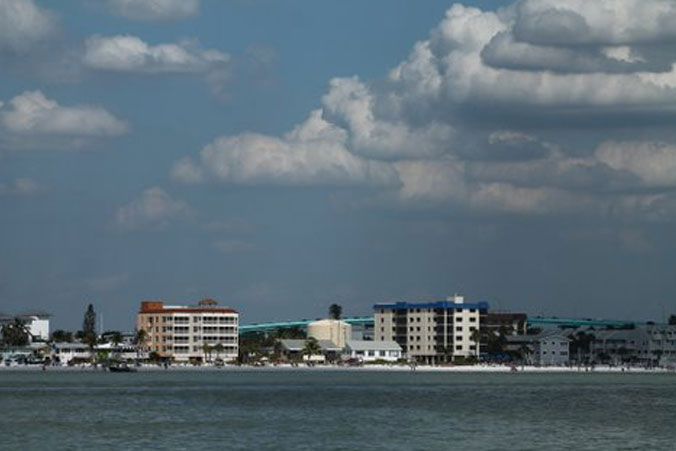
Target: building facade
(37, 324)
(644, 345)
(432, 332)
(189, 332)
(548, 348)
(371, 351)
(333, 330)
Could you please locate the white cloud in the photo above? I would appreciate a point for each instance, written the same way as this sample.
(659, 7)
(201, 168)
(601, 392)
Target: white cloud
(153, 208)
(126, 53)
(32, 113)
(654, 163)
(19, 187)
(154, 9)
(314, 153)
(23, 24)
(603, 22)
(427, 133)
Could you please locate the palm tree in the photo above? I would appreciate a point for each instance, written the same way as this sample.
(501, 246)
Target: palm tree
(311, 348)
(335, 311)
(15, 333)
(140, 339)
(207, 352)
(218, 348)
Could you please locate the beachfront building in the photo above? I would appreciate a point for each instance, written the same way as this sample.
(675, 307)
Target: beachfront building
(432, 332)
(189, 332)
(37, 324)
(296, 350)
(549, 348)
(335, 330)
(507, 323)
(651, 344)
(371, 351)
(70, 353)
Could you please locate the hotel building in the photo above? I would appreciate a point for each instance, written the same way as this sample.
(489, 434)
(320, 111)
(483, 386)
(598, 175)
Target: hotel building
(180, 332)
(432, 332)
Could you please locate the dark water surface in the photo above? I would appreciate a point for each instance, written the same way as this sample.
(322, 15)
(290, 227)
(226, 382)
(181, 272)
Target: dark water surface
(351, 410)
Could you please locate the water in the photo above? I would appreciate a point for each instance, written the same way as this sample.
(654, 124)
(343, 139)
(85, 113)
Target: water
(335, 410)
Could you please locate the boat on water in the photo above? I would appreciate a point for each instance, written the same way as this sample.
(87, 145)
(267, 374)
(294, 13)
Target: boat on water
(122, 368)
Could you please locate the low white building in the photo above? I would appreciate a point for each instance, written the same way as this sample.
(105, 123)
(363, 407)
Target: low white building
(67, 352)
(369, 351)
(122, 351)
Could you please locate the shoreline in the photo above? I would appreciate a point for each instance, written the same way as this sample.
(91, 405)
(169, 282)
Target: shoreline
(603, 369)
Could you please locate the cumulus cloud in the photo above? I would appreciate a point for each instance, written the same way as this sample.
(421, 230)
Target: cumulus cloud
(440, 128)
(152, 209)
(32, 113)
(126, 53)
(23, 24)
(154, 9)
(314, 153)
(19, 187)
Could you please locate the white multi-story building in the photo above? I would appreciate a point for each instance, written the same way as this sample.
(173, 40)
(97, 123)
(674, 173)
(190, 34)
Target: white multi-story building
(432, 332)
(180, 332)
(37, 324)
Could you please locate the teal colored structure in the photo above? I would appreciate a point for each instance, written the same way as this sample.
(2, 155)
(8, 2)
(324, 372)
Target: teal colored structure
(266, 327)
(581, 322)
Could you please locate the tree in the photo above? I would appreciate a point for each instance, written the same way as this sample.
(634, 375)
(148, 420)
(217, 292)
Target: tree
(672, 320)
(311, 347)
(140, 339)
(89, 326)
(15, 333)
(218, 348)
(61, 336)
(207, 352)
(335, 311)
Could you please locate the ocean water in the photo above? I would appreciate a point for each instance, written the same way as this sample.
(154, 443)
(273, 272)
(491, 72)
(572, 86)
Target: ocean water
(336, 410)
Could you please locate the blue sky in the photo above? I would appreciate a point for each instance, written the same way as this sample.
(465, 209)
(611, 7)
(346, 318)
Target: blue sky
(281, 156)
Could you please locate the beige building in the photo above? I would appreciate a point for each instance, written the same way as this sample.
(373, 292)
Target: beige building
(432, 332)
(335, 330)
(180, 332)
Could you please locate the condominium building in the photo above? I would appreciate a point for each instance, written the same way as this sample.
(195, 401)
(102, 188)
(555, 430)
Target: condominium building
(180, 332)
(432, 332)
(37, 324)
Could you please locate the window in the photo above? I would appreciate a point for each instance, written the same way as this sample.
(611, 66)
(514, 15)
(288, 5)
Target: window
(458, 319)
(472, 310)
(458, 348)
(458, 337)
(472, 347)
(458, 329)
(472, 320)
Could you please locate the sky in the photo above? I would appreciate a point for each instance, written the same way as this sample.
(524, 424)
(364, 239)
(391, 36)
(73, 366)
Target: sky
(283, 156)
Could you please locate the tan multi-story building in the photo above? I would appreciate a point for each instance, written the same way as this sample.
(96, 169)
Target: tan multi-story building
(432, 332)
(180, 332)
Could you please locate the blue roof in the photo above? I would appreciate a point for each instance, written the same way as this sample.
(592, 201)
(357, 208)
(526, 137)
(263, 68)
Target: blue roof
(483, 305)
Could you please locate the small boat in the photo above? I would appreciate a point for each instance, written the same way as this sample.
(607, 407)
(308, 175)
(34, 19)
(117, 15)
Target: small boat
(123, 368)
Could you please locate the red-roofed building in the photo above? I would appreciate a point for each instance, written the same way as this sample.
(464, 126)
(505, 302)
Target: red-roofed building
(189, 332)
